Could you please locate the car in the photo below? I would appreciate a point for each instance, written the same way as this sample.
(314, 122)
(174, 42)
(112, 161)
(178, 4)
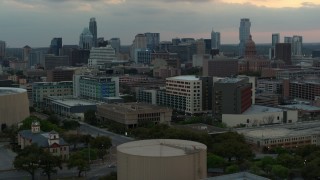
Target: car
(111, 166)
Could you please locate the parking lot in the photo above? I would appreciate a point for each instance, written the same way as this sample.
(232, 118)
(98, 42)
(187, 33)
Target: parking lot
(6, 156)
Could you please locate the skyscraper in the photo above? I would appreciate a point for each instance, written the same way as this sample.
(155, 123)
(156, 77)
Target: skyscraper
(275, 39)
(287, 39)
(2, 49)
(86, 39)
(115, 43)
(55, 46)
(93, 30)
(244, 33)
(153, 40)
(283, 52)
(296, 45)
(215, 40)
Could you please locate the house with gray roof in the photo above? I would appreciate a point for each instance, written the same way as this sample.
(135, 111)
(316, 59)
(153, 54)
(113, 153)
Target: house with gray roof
(49, 141)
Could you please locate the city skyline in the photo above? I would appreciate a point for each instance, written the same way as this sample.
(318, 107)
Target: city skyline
(36, 22)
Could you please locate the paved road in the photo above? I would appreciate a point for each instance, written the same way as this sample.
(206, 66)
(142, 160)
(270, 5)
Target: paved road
(94, 174)
(6, 157)
(95, 131)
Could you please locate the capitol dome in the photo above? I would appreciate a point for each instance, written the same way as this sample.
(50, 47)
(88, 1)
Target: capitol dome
(250, 51)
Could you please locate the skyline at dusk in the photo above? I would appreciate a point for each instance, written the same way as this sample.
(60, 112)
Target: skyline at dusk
(36, 22)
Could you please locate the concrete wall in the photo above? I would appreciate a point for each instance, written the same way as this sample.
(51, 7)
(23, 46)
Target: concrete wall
(258, 119)
(14, 108)
(187, 167)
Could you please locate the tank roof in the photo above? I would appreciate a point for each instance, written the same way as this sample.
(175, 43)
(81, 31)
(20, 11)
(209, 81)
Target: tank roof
(161, 147)
(8, 90)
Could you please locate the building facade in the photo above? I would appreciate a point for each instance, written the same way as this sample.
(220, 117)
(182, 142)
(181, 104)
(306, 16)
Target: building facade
(231, 96)
(134, 114)
(93, 29)
(244, 32)
(101, 55)
(215, 40)
(189, 87)
(95, 87)
(86, 39)
(40, 90)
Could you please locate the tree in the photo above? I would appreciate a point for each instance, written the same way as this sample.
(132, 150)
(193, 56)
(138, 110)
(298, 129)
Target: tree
(232, 145)
(232, 169)
(90, 117)
(280, 171)
(78, 161)
(49, 163)
(214, 161)
(28, 159)
(312, 169)
(54, 119)
(71, 125)
(101, 143)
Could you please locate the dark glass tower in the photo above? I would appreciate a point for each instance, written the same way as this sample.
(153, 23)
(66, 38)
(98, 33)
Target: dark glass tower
(93, 30)
(55, 46)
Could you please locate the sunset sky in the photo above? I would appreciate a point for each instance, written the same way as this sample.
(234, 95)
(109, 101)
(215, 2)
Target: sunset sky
(36, 22)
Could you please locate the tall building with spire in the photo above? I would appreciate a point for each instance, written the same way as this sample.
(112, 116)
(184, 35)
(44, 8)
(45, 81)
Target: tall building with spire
(86, 39)
(93, 30)
(244, 33)
(215, 40)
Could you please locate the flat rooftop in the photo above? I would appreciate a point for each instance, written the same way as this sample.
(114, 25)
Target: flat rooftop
(8, 90)
(304, 107)
(256, 109)
(230, 80)
(281, 130)
(184, 78)
(132, 107)
(200, 127)
(161, 147)
(73, 102)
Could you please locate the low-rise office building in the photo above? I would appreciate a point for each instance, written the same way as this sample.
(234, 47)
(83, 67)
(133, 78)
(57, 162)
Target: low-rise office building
(134, 114)
(260, 115)
(286, 136)
(40, 90)
(69, 106)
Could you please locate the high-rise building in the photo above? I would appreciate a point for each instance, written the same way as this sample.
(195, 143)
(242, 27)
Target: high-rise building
(296, 45)
(101, 55)
(139, 42)
(215, 40)
(26, 52)
(244, 33)
(283, 52)
(152, 40)
(86, 39)
(231, 96)
(2, 49)
(56, 46)
(93, 30)
(176, 41)
(116, 44)
(142, 56)
(200, 45)
(287, 39)
(51, 61)
(275, 39)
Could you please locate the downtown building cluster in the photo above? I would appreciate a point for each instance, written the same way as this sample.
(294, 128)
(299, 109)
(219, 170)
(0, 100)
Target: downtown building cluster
(186, 76)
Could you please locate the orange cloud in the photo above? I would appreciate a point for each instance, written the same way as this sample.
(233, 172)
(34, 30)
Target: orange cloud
(275, 3)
